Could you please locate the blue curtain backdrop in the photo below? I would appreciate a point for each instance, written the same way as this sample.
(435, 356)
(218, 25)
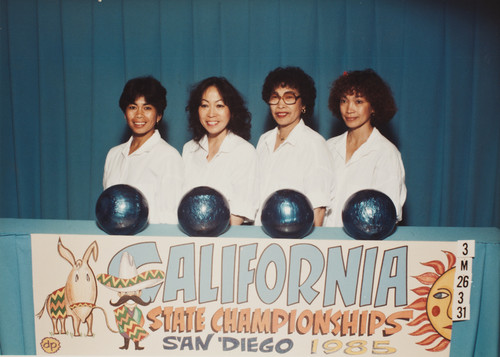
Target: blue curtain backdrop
(64, 64)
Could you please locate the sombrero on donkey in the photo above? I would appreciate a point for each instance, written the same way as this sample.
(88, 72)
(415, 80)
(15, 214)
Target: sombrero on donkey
(129, 279)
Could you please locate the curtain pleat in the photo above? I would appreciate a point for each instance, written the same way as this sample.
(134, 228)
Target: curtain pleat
(65, 62)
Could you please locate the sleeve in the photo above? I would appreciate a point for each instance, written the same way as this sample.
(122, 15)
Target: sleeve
(389, 177)
(110, 157)
(319, 176)
(106, 172)
(190, 177)
(185, 149)
(171, 188)
(245, 197)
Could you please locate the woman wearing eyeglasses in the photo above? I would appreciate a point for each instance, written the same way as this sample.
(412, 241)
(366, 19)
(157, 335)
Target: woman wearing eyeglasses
(292, 155)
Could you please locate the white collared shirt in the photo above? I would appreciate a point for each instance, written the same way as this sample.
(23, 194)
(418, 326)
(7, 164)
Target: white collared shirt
(232, 172)
(155, 169)
(302, 163)
(374, 165)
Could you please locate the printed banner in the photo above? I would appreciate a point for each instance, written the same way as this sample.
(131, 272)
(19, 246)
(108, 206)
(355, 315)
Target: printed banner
(241, 297)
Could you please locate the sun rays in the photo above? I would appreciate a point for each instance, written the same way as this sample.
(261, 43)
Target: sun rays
(435, 300)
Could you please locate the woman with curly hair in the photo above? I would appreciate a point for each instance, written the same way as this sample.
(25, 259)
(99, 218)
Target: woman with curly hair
(363, 157)
(219, 155)
(292, 155)
(146, 161)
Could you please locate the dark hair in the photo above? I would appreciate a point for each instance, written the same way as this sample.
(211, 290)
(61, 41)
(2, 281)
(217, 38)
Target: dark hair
(368, 84)
(149, 88)
(296, 78)
(239, 122)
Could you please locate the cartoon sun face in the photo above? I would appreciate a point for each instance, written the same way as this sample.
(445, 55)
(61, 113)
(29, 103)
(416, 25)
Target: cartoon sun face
(439, 304)
(436, 302)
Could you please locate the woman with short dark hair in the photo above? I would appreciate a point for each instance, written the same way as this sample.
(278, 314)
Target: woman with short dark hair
(146, 161)
(363, 157)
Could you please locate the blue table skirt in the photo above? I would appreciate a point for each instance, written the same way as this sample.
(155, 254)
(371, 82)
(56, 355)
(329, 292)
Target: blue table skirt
(477, 337)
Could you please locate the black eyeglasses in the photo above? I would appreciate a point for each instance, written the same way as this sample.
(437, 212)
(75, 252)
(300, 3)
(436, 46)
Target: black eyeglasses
(289, 98)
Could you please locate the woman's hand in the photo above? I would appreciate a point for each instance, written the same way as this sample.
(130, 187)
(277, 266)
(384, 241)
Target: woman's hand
(319, 216)
(236, 220)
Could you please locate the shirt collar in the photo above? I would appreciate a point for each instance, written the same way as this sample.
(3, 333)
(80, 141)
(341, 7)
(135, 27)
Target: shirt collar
(365, 148)
(229, 142)
(372, 139)
(296, 132)
(340, 145)
(227, 145)
(146, 147)
(291, 139)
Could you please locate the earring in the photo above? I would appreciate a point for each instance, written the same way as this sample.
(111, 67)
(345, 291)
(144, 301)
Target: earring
(303, 110)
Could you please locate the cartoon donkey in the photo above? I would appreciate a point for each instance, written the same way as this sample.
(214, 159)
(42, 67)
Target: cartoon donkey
(78, 297)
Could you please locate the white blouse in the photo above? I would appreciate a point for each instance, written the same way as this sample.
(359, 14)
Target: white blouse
(155, 169)
(302, 163)
(374, 165)
(232, 172)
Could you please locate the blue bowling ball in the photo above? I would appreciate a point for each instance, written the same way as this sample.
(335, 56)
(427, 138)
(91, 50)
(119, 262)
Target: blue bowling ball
(122, 210)
(203, 212)
(287, 214)
(369, 215)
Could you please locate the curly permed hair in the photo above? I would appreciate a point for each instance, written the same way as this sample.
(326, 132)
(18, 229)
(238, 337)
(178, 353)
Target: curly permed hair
(240, 121)
(296, 78)
(368, 84)
(149, 88)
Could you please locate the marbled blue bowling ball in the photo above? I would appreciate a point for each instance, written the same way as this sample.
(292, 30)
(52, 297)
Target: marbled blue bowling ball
(287, 214)
(369, 215)
(122, 210)
(203, 212)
